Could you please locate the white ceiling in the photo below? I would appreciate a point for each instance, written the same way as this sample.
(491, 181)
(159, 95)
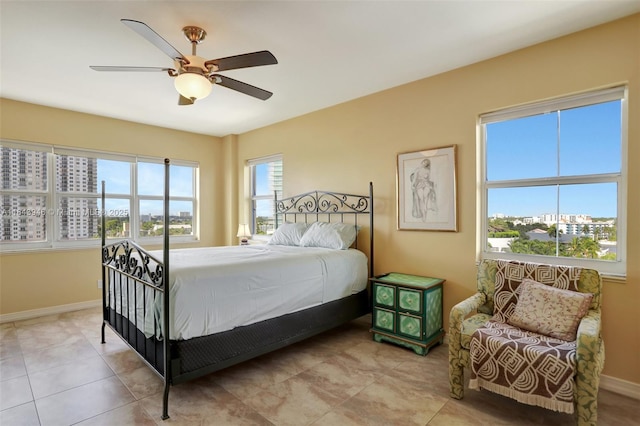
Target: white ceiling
(329, 52)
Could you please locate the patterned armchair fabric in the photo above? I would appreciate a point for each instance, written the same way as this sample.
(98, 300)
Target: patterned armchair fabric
(470, 314)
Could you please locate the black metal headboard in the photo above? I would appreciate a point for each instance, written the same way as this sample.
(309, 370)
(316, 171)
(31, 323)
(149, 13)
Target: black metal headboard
(318, 205)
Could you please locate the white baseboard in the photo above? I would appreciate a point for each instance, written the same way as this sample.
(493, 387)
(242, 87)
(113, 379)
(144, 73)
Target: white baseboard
(34, 313)
(623, 387)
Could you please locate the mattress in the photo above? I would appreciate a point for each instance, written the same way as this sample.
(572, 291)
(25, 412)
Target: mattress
(215, 289)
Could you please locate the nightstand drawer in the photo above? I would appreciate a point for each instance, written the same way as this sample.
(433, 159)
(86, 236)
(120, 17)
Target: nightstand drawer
(384, 320)
(384, 295)
(409, 300)
(410, 326)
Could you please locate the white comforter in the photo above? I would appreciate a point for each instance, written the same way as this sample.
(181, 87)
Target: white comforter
(215, 289)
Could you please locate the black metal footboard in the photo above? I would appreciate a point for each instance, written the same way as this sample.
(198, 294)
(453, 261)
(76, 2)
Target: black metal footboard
(134, 300)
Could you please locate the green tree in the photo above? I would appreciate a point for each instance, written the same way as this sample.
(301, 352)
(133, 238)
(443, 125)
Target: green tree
(546, 248)
(261, 225)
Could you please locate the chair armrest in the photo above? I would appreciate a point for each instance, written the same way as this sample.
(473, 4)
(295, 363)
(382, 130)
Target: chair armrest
(589, 327)
(459, 312)
(589, 365)
(588, 339)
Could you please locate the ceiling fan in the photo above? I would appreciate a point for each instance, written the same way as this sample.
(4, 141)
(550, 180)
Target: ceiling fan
(196, 75)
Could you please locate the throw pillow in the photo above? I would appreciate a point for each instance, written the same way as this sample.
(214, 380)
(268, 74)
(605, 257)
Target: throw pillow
(550, 311)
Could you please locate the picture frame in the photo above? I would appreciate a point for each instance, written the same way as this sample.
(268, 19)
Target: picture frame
(426, 190)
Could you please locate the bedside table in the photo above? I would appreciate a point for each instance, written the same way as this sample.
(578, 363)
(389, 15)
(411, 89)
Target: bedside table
(407, 311)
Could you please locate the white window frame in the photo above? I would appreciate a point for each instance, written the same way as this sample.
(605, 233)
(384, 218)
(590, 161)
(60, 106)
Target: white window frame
(607, 268)
(53, 197)
(252, 189)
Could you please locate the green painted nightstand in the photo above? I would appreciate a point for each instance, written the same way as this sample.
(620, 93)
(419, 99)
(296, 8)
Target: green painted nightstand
(407, 310)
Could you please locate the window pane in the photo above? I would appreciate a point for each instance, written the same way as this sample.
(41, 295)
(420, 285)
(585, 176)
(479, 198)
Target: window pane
(152, 223)
(23, 169)
(266, 181)
(589, 213)
(268, 178)
(76, 174)
(525, 220)
(78, 218)
(590, 139)
(116, 175)
(24, 218)
(265, 219)
(522, 148)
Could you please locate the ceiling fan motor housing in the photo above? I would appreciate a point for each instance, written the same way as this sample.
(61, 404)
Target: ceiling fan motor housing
(195, 65)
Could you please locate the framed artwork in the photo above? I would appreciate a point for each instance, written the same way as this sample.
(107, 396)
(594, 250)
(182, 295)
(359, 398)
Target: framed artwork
(426, 190)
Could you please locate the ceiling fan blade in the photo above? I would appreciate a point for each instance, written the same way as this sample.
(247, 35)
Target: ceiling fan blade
(246, 60)
(185, 101)
(241, 87)
(145, 31)
(131, 69)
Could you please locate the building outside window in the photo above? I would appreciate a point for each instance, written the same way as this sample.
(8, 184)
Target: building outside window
(25, 194)
(266, 181)
(553, 181)
(36, 214)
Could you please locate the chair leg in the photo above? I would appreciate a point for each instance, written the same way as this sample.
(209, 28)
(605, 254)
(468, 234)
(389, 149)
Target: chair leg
(587, 412)
(456, 379)
(586, 402)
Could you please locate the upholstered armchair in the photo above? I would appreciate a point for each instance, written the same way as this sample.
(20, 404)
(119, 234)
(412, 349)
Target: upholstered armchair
(488, 315)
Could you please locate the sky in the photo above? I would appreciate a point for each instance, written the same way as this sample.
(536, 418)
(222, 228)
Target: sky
(578, 141)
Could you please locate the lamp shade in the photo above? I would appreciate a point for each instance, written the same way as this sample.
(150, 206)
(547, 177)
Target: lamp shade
(243, 230)
(192, 85)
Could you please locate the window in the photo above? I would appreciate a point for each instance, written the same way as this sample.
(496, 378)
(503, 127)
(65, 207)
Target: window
(266, 180)
(553, 182)
(51, 197)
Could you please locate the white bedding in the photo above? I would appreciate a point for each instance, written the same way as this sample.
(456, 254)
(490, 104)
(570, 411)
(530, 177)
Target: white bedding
(215, 289)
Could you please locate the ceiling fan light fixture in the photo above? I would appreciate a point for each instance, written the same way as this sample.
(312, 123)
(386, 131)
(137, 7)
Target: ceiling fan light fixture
(192, 85)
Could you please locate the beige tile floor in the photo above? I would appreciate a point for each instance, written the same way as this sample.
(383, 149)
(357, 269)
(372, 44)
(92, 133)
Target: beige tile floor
(54, 371)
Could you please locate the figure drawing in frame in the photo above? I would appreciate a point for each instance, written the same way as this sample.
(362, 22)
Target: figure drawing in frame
(426, 190)
(425, 199)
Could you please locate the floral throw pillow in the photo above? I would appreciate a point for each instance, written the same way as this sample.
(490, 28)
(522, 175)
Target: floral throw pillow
(551, 311)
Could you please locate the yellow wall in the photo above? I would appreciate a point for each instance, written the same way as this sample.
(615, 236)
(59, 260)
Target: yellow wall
(344, 147)
(52, 278)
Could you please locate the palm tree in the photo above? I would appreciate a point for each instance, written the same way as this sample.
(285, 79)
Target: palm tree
(583, 247)
(553, 231)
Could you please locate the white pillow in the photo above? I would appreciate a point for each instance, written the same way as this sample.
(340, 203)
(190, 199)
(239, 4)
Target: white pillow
(288, 234)
(329, 235)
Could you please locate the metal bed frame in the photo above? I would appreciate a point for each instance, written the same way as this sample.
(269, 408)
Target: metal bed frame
(127, 266)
